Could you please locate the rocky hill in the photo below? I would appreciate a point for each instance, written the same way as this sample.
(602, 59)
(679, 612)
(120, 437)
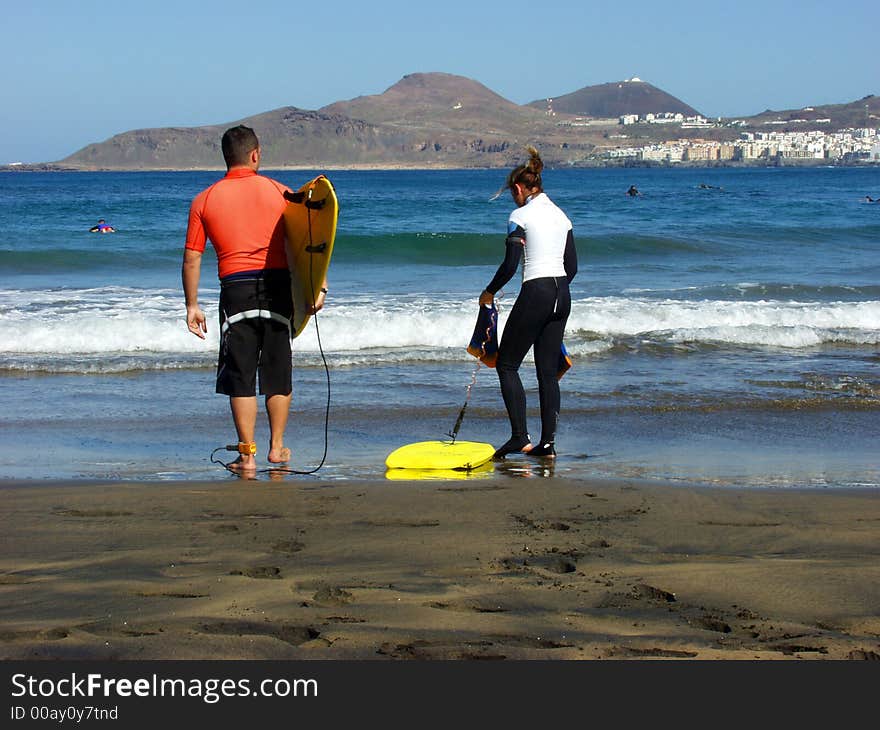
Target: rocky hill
(615, 99)
(293, 135)
(442, 102)
(862, 113)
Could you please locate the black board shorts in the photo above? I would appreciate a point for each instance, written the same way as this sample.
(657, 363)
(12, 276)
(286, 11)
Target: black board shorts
(255, 312)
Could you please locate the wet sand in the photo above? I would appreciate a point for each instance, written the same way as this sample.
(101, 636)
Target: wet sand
(504, 568)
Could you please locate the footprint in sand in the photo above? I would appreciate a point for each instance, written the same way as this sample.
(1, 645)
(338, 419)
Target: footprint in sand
(288, 633)
(332, 596)
(223, 529)
(260, 571)
(287, 547)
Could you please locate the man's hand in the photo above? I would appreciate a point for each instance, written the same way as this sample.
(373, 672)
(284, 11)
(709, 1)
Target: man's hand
(319, 300)
(196, 322)
(318, 305)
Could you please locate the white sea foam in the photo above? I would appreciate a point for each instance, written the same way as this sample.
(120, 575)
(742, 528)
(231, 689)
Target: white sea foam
(772, 323)
(84, 325)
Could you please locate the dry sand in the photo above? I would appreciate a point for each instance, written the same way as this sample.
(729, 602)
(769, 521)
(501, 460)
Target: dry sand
(490, 569)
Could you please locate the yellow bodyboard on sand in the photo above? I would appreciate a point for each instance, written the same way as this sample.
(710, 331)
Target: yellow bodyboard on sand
(448, 455)
(310, 225)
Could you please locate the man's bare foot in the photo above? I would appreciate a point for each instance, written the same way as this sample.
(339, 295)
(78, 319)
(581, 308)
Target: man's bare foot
(244, 465)
(280, 455)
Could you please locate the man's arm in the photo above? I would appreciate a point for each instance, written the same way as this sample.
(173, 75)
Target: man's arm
(190, 273)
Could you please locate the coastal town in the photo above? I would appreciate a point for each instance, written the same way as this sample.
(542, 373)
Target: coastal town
(846, 146)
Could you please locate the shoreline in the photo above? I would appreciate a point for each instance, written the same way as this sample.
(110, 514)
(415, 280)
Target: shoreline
(507, 568)
(153, 438)
(421, 167)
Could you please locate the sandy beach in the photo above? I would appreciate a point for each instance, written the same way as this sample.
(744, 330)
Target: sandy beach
(500, 568)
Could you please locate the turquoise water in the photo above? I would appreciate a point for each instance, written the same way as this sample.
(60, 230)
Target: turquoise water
(725, 335)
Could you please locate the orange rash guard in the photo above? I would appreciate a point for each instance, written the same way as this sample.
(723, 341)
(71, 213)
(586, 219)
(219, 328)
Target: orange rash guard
(242, 216)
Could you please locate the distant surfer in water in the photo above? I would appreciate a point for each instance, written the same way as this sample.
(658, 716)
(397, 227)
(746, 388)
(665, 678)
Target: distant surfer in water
(633, 191)
(241, 214)
(102, 227)
(540, 233)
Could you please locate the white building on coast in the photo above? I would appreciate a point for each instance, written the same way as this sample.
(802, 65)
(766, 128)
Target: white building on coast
(847, 145)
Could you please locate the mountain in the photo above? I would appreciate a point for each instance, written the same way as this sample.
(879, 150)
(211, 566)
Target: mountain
(441, 120)
(614, 99)
(440, 101)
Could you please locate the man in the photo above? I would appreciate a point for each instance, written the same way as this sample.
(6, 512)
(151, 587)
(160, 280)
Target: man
(241, 215)
(102, 227)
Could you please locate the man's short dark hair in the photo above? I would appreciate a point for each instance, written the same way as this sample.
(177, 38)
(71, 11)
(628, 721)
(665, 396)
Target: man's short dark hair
(237, 145)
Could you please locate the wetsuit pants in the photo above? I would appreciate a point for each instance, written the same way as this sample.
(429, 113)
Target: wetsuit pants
(537, 319)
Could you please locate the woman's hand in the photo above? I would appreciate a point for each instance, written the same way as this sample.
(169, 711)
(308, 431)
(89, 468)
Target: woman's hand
(487, 299)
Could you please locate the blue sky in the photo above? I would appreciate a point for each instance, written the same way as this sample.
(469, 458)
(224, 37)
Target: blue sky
(79, 72)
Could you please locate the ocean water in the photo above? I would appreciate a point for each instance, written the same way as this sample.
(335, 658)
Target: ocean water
(726, 335)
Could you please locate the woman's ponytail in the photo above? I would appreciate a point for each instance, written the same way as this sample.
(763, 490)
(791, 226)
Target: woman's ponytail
(527, 175)
(535, 165)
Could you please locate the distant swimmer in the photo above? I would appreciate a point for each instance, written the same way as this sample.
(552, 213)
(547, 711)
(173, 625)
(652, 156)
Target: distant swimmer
(704, 186)
(633, 191)
(869, 199)
(102, 227)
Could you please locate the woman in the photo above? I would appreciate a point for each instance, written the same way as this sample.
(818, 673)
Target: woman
(541, 233)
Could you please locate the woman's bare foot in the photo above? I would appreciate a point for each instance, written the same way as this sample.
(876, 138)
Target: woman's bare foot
(281, 455)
